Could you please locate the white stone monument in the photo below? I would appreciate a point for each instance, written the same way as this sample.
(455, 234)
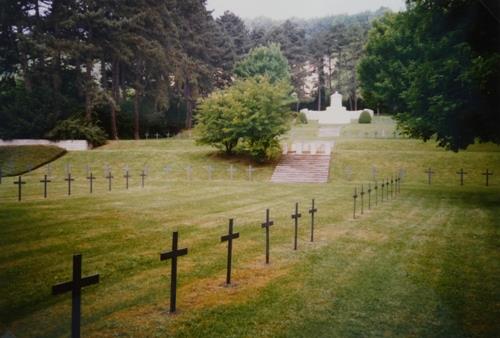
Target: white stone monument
(335, 113)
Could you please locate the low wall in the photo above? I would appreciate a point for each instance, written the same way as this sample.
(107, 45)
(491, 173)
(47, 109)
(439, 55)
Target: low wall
(69, 145)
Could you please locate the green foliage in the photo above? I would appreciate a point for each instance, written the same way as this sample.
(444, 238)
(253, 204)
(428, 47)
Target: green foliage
(252, 113)
(301, 118)
(78, 129)
(435, 67)
(365, 117)
(264, 61)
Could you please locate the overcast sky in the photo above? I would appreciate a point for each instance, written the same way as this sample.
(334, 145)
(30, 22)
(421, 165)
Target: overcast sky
(283, 9)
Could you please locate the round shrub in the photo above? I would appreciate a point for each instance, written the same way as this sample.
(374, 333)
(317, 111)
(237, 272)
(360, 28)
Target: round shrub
(365, 117)
(78, 129)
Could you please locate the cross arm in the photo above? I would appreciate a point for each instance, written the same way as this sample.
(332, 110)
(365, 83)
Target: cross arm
(267, 224)
(62, 288)
(172, 254)
(230, 236)
(90, 280)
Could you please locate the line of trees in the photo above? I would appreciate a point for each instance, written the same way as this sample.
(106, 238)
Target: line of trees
(140, 66)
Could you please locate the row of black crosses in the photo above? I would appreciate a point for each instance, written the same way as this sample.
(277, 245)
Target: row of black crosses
(487, 175)
(69, 178)
(78, 282)
(392, 189)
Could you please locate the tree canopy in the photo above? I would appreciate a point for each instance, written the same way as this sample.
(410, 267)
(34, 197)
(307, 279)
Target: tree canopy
(266, 61)
(436, 68)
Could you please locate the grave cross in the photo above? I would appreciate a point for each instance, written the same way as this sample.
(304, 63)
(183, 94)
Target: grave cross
(461, 173)
(266, 225)
(210, 170)
(231, 171)
(157, 135)
(69, 180)
(143, 175)
(387, 189)
(369, 195)
(429, 173)
(362, 193)
(312, 211)
(45, 181)
(91, 179)
(487, 174)
(229, 239)
(109, 177)
(355, 196)
(376, 193)
(19, 183)
(295, 217)
(75, 286)
(173, 275)
(127, 176)
(382, 191)
(250, 170)
(392, 187)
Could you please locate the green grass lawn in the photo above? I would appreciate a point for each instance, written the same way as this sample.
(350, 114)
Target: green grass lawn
(17, 160)
(424, 264)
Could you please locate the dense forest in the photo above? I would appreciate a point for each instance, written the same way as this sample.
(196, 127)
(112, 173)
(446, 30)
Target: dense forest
(138, 67)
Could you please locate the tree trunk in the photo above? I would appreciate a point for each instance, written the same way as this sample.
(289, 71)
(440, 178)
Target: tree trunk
(137, 135)
(114, 85)
(189, 105)
(88, 90)
(319, 96)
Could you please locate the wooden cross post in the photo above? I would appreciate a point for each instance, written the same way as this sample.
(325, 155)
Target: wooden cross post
(387, 189)
(250, 170)
(231, 172)
(392, 186)
(369, 196)
(382, 191)
(355, 196)
(45, 181)
(229, 239)
(19, 183)
(312, 211)
(487, 174)
(173, 275)
(69, 180)
(376, 193)
(75, 286)
(268, 223)
(296, 217)
(143, 175)
(109, 177)
(91, 179)
(429, 173)
(461, 173)
(362, 193)
(127, 176)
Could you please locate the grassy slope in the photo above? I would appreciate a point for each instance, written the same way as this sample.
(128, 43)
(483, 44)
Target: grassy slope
(425, 264)
(16, 160)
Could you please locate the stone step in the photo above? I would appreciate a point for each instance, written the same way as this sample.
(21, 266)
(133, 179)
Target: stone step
(302, 168)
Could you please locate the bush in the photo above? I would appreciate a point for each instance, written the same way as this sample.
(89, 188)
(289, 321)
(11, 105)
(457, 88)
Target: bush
(78, 129)
(365, 117)
(252, 113)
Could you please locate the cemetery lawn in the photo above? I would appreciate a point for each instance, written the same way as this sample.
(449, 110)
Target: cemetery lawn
(16, 160)
(425, 264)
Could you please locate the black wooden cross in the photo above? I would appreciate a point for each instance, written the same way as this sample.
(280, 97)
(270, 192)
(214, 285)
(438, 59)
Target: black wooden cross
(382, 191)
(429, 173)
(45, 181)
(461, 173)
(109, 177)
(355, 196)
(487, 174)
(376, 193)
(91, 179)
(312, 211)
(296, 216)
(369, 196)
(127, 176)
(362, 193)
(266, 225)
(229, 239)
(75, 286)
(19, 183)
(392, 186)
(387, 189)
(173, 275)
(69, 180)
(143, 175)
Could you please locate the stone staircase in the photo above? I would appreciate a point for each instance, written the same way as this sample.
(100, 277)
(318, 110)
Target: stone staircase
(302, 168)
